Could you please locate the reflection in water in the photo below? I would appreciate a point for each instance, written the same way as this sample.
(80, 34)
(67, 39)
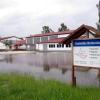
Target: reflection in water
(30, 64)
(64, 70)
(2, 58)
(46, 66)
(83, 69)
(55, 65)
(9, 58)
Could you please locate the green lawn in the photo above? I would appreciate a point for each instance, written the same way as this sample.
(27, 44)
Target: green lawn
(22, 87)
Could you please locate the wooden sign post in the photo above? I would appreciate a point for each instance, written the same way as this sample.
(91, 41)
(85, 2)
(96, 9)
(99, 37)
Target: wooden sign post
(73, 71)
(73, 76)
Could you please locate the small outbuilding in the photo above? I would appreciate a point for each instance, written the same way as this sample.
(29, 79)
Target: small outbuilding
(2, 46)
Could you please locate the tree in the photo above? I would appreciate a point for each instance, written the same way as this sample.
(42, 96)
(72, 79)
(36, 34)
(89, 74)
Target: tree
(8, 43)
(63, 28)
(46, 29)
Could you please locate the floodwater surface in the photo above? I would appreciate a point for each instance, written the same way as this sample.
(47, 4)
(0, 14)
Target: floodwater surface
(48, 65)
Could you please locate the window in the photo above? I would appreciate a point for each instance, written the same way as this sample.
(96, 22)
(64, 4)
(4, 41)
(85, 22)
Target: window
(66, 45)
(69, 45)
(62, 45)
(59, 45)
(54, 45)
(51, 45)
(44, 38)
(36, 40)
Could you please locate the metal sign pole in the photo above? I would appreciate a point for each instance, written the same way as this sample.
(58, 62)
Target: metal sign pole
(73, 76)
(73, 70)
(85, 53)
(99, 77)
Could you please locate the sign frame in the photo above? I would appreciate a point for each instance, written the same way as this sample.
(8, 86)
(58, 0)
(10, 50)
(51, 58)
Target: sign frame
(73, 65)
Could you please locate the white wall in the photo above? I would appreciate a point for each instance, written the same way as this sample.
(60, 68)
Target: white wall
(29, 47)
(26, 40)
(91, 36)
(2, 46)
(32, 40)
(39, 47)
(64, 35)
(22, 47)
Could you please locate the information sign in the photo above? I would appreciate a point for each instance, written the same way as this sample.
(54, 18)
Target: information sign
(86, 53)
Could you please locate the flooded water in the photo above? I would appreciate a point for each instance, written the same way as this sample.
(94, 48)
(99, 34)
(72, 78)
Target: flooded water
(49, 65)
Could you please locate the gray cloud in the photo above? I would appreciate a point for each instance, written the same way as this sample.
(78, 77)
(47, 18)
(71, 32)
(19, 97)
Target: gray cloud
(6, 3)
(23, 22)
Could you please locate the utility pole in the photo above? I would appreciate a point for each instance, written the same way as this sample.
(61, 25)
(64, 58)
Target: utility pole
(98, 23)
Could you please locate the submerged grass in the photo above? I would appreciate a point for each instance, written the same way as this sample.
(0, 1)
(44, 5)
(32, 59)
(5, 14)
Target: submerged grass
(22, 87)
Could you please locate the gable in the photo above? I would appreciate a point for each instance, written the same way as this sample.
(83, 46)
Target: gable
(87, 35)
(84, 30)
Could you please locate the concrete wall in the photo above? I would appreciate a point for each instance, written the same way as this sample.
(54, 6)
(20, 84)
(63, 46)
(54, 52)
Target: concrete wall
(22, 47)
(39, 47)
(2, 46)
(30, 47)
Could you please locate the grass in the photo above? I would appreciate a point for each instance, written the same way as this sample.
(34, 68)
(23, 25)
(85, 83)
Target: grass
(22, 87)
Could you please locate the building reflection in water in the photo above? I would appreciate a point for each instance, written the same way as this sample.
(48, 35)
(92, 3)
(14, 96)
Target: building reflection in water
(9, 58)
(46, 66)
(2, 58)
(49, 60)
(64, 70)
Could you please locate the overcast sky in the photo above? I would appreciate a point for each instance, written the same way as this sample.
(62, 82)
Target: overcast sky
(25, 17)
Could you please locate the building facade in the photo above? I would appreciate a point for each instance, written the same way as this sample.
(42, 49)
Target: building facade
(48, 41)
(10, 42)
(59, 41)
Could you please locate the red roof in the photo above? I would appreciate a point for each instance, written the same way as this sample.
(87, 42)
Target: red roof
(57, 40)
(52, 33)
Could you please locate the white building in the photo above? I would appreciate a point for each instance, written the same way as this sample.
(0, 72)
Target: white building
(59, 41)
(48, 41)
(2, 46)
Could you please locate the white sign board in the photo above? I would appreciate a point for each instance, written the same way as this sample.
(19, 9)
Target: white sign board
(86, 53)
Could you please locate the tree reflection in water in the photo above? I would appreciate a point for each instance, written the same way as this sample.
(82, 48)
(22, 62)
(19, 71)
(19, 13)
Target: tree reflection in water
(46, 66)
(64, 70)
(9, 58)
